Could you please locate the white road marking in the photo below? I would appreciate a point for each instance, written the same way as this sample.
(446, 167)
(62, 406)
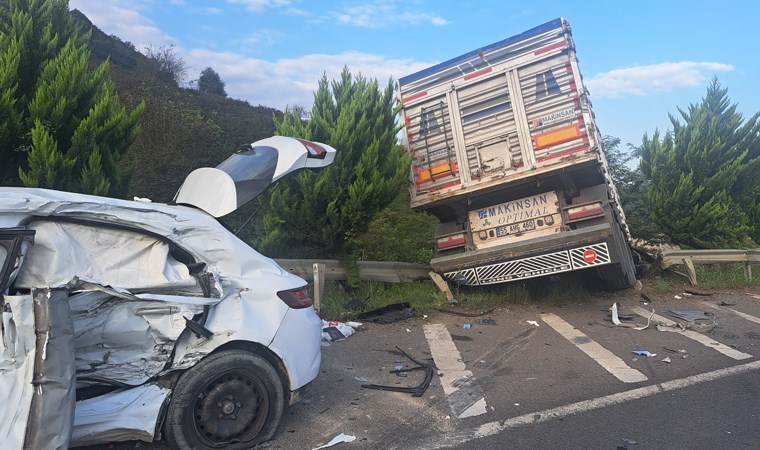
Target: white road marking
(460, 438)
(691, 334)
(462, 391)
(738, 313)
(601, 355)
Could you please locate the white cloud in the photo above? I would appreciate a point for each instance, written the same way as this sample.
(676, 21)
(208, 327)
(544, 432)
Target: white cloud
(131, 26)
(653, 79)
(293, 81)
(382, 13)
(261, 5)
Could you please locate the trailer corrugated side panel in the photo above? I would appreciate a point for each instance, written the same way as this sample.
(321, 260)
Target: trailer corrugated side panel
(497, 114)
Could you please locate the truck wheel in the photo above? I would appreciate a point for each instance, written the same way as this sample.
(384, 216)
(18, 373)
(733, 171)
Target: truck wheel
(232, 399)
(620, 275)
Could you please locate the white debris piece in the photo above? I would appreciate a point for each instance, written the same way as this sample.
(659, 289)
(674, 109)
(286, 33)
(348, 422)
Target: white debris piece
(337, 440)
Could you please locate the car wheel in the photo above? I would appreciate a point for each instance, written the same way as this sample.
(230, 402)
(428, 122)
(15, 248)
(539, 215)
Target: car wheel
(232, 399)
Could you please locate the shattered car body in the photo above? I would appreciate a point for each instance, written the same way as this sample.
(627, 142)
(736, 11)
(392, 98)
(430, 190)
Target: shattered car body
(128, 320)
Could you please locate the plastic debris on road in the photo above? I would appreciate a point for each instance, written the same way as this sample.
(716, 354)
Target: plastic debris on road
(644, 353)
(337, 440)
(336, 331)
(666, 359)
(689, 315)
(360, 379)
(617, 322)
(532, 322)
(467, 326)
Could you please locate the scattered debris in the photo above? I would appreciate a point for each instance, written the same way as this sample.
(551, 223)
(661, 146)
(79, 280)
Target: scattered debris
(467, 326)
(644, 353)
(666, 359)
(645, 298)
(465, 313)
(408, 330)
(360, 379)
(677, 328)
(388, 314)
(726, 304)
(686, 294)
(336, 331)
(416, 391)
(689, 315)
(704, 294)
(616, 319)
(487, 321)
(677, 297)
(532, 322)
(337, 440)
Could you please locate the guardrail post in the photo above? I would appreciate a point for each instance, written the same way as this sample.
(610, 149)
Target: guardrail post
(748, 270)
(319, 284)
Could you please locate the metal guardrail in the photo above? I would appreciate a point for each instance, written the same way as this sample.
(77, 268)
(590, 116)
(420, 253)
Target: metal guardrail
(719, 256)
(387, 271)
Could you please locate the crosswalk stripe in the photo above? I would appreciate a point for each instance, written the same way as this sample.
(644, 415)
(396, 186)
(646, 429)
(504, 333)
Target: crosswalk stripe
(691, 334)
(601, 355)
(738, 313)
(462, 391)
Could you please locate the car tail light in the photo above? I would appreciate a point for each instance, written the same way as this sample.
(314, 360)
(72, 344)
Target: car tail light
(296, 298)
(450, 241)
(315, 150)
(585, 211)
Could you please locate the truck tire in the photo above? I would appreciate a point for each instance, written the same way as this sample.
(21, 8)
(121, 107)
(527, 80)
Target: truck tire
(232, 399)
(622, 274)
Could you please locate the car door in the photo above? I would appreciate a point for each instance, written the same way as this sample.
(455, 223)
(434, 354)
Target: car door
(37, 379)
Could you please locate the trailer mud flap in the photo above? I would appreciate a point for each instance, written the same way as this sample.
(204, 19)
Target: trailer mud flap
(533, 266)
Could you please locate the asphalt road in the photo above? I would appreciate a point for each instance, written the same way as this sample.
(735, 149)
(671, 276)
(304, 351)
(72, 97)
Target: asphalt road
(542, 376)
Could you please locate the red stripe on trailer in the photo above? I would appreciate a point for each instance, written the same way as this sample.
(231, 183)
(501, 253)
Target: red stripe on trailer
(444, 186)
(577, 102)
(414, 96)
(568, 67)
(565, 153)
(549, 48)
(478, 73)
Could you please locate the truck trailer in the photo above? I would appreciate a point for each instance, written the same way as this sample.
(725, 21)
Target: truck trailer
(506, 154)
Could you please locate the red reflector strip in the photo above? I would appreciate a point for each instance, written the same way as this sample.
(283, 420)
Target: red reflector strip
(549, 48)
(585, 211)
(478, 73)
(565, 153)
(450, 241)
(414, 97)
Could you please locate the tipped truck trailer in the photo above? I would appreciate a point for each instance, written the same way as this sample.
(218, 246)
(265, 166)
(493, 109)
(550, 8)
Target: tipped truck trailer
(506, 154)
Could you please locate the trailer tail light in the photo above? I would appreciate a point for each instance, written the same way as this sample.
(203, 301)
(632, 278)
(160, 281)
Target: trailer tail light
(296, 298)
(315, 150)
(585, 211)
(450, 241)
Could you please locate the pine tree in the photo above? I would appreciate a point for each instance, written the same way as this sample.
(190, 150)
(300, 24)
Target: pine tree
(313, 213)
(705, 184)
(62, 123)
(211, 83)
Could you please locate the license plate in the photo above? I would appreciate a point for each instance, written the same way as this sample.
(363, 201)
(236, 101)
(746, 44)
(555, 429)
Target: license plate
(515, 228)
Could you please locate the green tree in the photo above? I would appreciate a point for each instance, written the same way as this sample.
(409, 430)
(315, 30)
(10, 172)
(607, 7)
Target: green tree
(705, 185)
(62, 125)
(211, 83)
(314, 212)
(632, 187)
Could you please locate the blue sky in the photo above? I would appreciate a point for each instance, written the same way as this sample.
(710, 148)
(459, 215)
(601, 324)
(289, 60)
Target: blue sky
(640, 59)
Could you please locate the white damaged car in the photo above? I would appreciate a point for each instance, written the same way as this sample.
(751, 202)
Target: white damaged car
(130, 320)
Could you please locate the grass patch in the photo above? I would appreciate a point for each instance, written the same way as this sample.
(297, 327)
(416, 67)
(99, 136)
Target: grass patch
(342, 302)
(709, 276)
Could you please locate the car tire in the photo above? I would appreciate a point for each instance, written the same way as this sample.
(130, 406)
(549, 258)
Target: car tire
(232, 399)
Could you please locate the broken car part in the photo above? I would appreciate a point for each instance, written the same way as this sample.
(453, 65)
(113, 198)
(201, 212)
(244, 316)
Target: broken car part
(416, 391)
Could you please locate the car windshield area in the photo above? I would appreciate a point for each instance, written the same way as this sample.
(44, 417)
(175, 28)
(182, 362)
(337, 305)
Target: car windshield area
(252, 170)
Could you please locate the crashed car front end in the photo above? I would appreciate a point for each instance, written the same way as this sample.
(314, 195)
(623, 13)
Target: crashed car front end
(132, 315)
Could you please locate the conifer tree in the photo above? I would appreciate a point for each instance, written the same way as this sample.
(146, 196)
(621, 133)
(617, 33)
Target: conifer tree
(211, 83)
(62, 125)
(314, 212)
(705, 190)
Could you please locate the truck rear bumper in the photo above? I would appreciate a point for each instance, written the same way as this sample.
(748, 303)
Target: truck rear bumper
(563, 252)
